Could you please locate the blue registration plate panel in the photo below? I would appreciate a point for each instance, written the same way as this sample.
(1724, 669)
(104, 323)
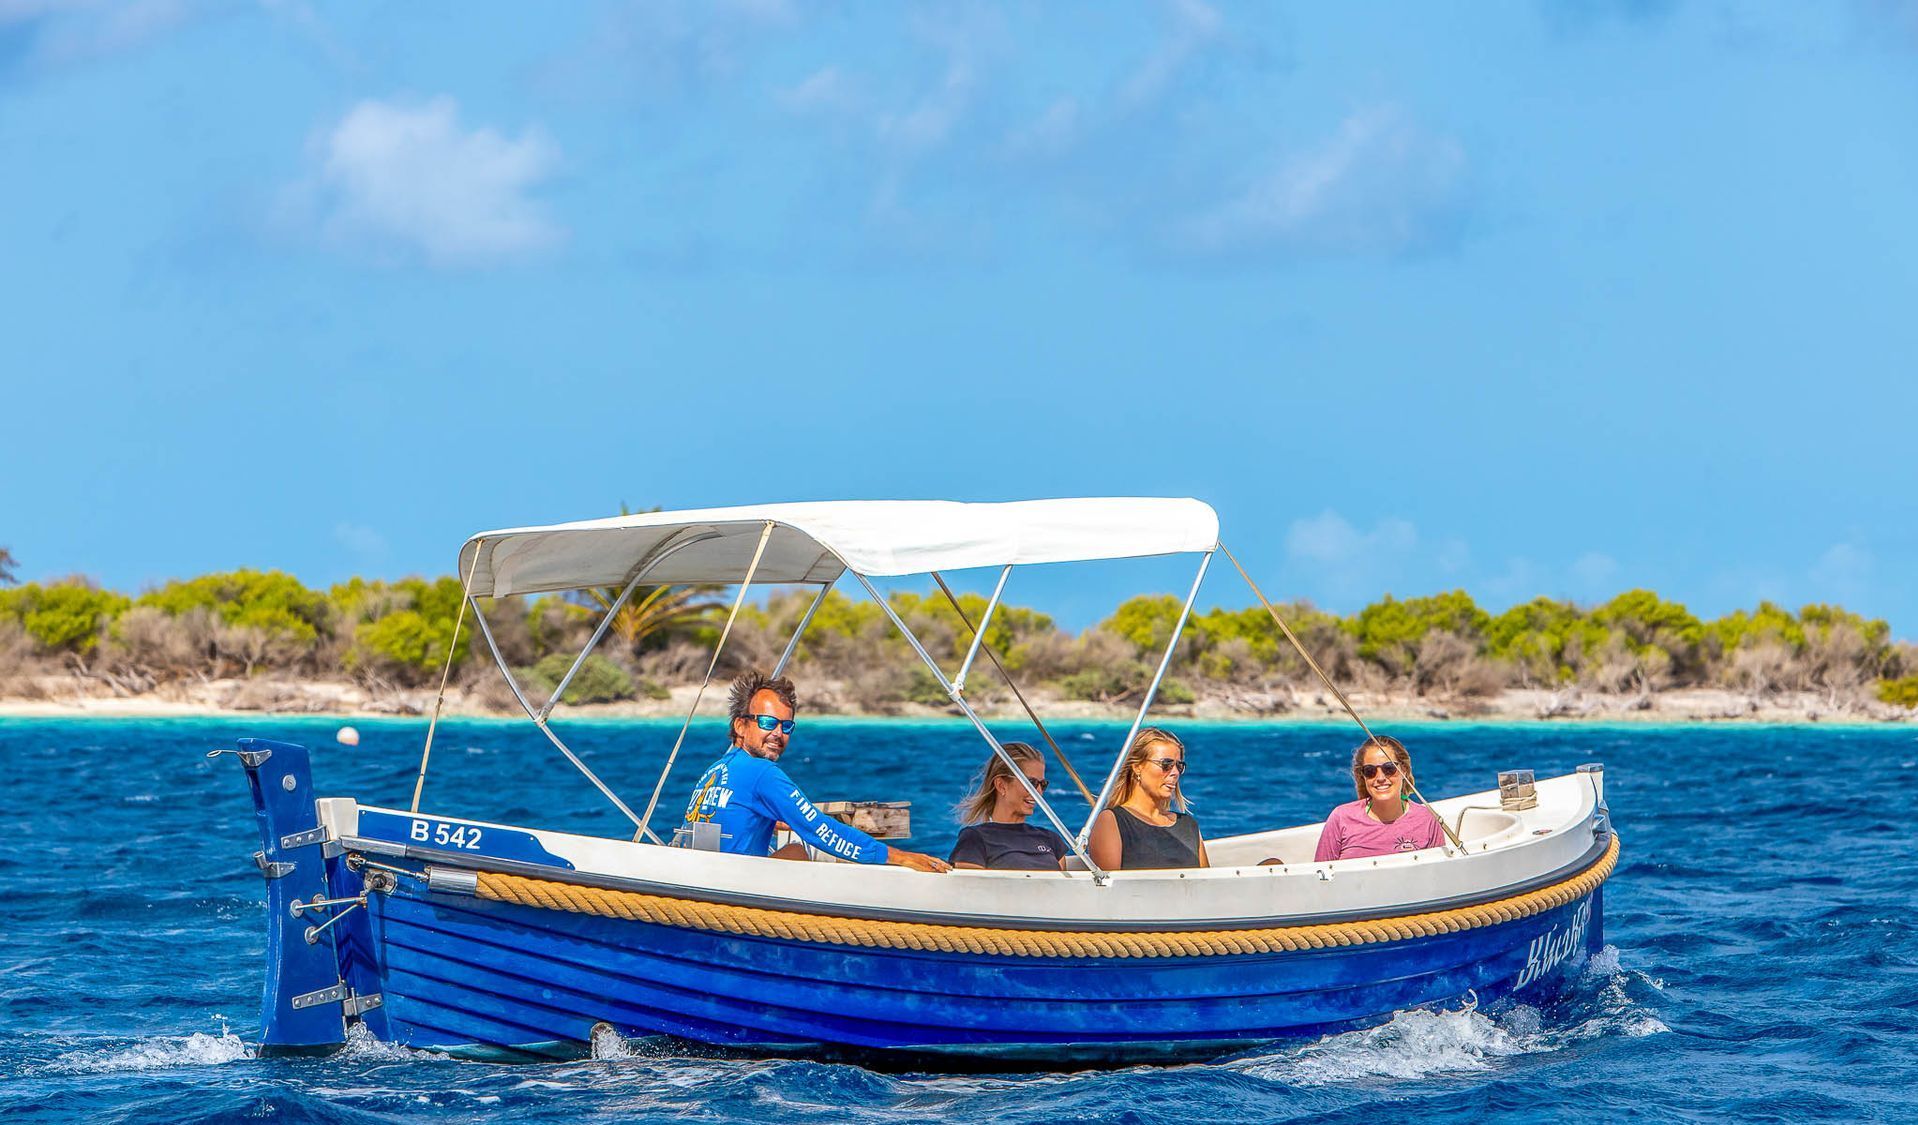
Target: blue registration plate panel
(457, 836)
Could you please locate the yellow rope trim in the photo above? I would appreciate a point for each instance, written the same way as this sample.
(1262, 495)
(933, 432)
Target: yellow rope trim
(755, 922)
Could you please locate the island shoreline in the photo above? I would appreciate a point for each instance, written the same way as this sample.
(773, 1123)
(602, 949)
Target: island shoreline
(283, 699)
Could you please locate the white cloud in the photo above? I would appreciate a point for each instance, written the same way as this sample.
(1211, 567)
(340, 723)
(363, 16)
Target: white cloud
(363, 541)
(1052, 133)
(71, 31)
(927, 124)
(1595, 574)
(824, 90)
(1843, 573)
(1194, 25)
(1328, 539)
(410, 175)
(1379, 185)
(1521, 581)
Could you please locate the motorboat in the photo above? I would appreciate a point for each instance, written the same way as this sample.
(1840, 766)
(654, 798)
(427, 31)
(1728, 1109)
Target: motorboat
(439, 931)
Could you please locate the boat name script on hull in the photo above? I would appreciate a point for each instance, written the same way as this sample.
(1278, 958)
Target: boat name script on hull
(1555, 945)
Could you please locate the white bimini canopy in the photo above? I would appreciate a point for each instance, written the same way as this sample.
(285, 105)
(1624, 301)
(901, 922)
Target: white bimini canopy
(817, 542)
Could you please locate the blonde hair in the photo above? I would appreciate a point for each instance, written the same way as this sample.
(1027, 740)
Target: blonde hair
(985, 794)
(1135, 756)
(1398, 753)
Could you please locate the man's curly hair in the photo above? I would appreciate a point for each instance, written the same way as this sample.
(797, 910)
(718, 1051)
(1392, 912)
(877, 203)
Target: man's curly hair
(750, 683)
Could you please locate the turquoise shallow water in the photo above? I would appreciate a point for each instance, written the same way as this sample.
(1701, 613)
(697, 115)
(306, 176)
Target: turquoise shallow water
(1762, 959)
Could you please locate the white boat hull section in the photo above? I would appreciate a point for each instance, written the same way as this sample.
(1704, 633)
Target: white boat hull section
(1504, 852)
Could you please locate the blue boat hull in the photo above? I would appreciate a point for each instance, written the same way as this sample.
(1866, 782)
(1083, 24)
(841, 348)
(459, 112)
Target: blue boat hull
(457, 973)
(450, 971)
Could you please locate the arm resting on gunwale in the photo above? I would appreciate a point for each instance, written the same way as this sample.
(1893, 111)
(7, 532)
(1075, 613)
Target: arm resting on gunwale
(842, 841)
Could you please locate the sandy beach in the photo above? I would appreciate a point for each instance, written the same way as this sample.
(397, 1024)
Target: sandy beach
(70, 697)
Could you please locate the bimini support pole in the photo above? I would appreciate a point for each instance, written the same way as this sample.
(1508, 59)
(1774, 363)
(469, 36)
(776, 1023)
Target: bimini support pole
(1057, 750)
(665, 551)
(540, 715)
(979, 634)
(452, 649)
(1152, 690)
(799, 630)
(592, 642)
(958, 698)
(752, 568)
(540, 721)
(1329, 685)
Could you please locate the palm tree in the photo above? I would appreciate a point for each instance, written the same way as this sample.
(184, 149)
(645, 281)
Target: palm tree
(654, 609)
(7, 564)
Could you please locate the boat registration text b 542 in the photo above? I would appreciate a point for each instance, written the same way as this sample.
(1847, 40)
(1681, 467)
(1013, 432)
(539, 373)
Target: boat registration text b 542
(445, 835)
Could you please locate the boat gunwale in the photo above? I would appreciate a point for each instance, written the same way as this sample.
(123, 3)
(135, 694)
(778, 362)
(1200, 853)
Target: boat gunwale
(1602, 836)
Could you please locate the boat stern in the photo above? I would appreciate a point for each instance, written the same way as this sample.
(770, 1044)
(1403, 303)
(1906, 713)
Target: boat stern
(315, 921)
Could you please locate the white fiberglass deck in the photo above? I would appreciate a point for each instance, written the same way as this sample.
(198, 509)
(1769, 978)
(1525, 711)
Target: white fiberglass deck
(1505, 852)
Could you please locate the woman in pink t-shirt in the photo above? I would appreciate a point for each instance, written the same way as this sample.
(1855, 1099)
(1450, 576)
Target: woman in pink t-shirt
(1381, 821)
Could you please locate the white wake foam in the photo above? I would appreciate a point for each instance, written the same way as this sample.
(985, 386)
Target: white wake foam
(360, 1045)
(197, 1049)
(1410, 1045)
(1423, 1044)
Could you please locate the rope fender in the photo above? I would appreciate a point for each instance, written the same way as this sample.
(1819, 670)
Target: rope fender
(748, 921)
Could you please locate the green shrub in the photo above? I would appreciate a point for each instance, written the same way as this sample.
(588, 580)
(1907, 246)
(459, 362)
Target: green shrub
(68, 617)
(1389, 631)
(1099, 685)
(275, 603)
(599, 680)
(923, 687)
(1901, 692)
(1145, 621)
(1176, 692)
(405, 643)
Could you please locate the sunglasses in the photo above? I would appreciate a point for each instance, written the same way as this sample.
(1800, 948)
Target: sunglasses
(1038, 783)
(1169, 765)
(1389, 769)
(774, 722)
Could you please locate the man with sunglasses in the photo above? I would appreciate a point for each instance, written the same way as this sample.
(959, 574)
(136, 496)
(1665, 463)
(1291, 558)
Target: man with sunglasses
(745, 793)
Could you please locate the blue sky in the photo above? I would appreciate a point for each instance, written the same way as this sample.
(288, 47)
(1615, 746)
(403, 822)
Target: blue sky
(1527, 299)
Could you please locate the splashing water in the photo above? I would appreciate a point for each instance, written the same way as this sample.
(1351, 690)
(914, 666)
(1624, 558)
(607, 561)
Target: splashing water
(197, 1049)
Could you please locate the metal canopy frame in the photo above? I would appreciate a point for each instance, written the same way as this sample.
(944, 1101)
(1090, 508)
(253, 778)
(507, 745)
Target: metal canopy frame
(1151, 692)
(955, 690)
(954, 686)
(540, 715)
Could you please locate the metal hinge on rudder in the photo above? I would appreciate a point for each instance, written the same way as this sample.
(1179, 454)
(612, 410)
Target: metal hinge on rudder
(272, 868)
(350, 1004)
(329, 847)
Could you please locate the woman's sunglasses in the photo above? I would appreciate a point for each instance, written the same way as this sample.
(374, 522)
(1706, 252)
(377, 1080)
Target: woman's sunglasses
(1169, 765)
(774, 722)
(1389, 769)
(1038, 783)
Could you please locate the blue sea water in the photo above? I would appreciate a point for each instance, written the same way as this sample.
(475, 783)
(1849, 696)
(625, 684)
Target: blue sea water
(1761, 960)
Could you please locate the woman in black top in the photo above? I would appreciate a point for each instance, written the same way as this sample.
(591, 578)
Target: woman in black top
(1147, 826)
(996, 834)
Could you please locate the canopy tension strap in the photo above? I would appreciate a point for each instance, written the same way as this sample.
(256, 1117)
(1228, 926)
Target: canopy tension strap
(1016, 693)
(1329, 685)
(732, 615)
(452, 648)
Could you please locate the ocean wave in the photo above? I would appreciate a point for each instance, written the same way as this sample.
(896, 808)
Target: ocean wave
(158, 1053)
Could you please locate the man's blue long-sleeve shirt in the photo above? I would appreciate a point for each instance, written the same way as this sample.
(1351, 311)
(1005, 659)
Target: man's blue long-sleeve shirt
(745, 796)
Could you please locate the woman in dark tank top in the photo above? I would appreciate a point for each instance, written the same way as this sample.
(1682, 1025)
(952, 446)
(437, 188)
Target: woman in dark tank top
(1147, 826)
(997, 835)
